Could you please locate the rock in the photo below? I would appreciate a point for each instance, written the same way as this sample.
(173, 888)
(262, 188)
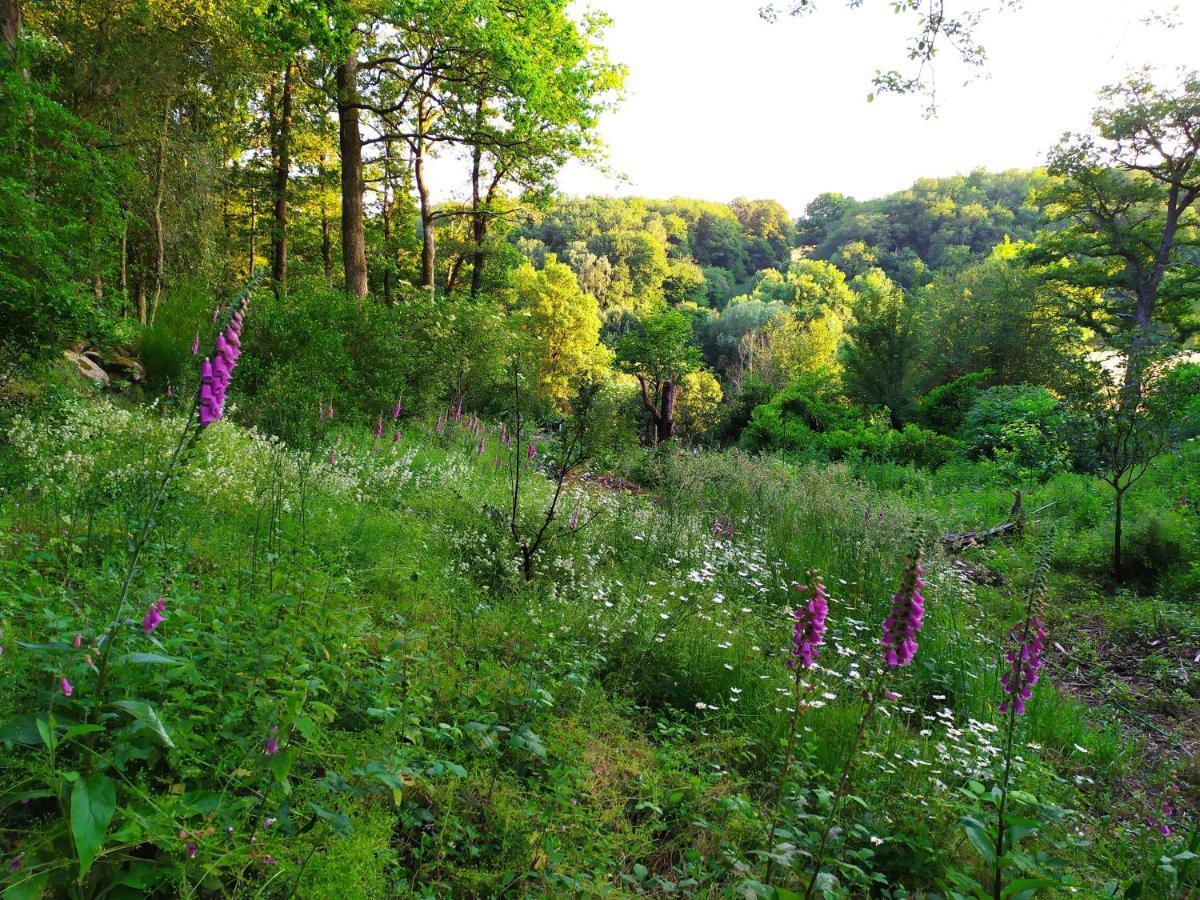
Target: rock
(121, 364)
(87, 368)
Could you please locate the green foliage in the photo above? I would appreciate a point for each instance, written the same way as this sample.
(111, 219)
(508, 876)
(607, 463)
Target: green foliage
(60, 219)
(944, 408)
(942, 223)
(1021, 426)
(883, 341)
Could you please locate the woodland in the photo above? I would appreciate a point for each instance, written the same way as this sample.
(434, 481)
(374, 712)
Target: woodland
(378, 520)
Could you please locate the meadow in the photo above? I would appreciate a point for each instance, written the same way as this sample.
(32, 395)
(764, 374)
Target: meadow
(351, 674)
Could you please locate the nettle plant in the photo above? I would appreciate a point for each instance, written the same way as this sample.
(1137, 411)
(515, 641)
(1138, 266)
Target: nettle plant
(94, 724)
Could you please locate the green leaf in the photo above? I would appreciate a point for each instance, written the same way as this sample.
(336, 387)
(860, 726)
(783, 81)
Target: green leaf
(148, 659)
(76, 730)
(978, 837)
(29, 889)
(144, 713)
(1021, 885)
(43, 728)
(51, 646)
(93, 802)
(281, 765)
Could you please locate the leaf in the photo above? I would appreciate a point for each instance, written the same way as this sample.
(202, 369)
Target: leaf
(29, 889)
(93, 802)
(281, 765)
(21, 730)
(50, 647)
(76, 730)
(43, 728)
(148, 659)
(978, 837)
(144, 713)
(1020, 885)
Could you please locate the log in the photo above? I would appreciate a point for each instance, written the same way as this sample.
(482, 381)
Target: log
(958, 541)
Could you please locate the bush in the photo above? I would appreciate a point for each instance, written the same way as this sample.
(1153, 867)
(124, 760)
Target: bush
(322, 344)
(165, 347)
(1153, 551)
(1021, 426)
(944, 408)
(811, 420)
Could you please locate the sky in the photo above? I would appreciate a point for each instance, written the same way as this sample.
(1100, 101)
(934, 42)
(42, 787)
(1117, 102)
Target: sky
(721, 104)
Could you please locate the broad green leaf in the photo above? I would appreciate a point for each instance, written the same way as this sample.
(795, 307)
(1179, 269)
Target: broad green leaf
(148, 659)
(281, 765)
(51, 646)
(1026, 887)
(29, 889)
(980, 841)
(93, 802)
(144, 713)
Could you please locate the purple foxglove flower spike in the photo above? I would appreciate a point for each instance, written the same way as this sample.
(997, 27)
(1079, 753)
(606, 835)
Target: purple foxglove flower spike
(1025, 660)
(575, 519)
(397, 409)
(208, 400)
(379, 427)
(153, 617)
(809, 630)
(196, 343)
(66, 688)
(908, 612)
(396, 438)
(532, 451)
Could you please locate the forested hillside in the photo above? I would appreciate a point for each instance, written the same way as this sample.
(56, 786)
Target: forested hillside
(378, 520)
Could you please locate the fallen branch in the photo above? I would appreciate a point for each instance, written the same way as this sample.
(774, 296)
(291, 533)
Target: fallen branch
(958, 541)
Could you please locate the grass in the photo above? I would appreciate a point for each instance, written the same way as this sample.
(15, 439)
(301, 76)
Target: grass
(612, 727)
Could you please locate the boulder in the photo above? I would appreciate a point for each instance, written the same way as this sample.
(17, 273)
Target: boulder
(87, 367)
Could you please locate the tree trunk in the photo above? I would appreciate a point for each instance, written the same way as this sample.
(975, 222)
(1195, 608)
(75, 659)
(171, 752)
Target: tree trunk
(478, 226)
(10, 28)
(665, 423)
(354, 248)
(1116, 556)
(326, 242)
(253, 231)
(139, 295)
(428, 250)
(156, 217)
(387, 239)
(123, 286)
(282, 164)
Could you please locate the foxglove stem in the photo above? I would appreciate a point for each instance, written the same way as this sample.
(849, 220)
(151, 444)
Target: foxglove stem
(1025, 661)
(185, 433)
(783, 773)
(870, 704)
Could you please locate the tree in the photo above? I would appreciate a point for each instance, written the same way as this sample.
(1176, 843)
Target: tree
(1118, 441)
(1125, 201)
(561, 326)
(995, 315)
(883, 342)
(699, 399)
(936, 26)
(658, 351)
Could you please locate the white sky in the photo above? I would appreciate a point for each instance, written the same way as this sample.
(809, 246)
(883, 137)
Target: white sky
(722, 104)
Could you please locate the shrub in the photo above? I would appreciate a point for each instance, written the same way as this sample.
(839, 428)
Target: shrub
(1021, 426)
(811, 420)
(1153, 551)
(944, 408)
